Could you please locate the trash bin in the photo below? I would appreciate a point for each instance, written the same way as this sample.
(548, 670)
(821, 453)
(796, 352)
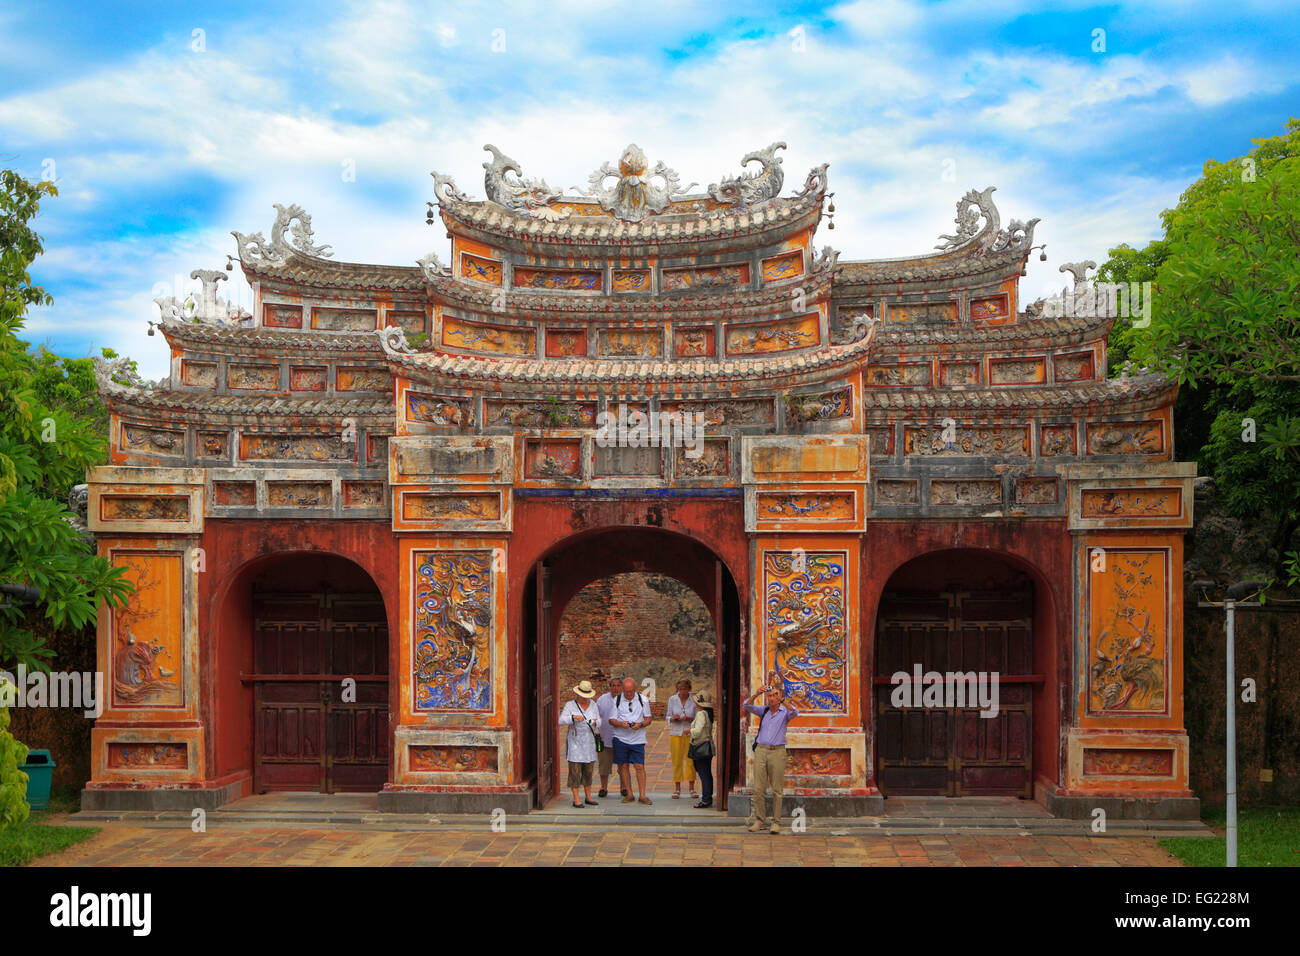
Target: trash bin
(40, 774)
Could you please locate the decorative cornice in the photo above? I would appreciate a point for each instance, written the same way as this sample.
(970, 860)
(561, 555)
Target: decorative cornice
(1148, 391)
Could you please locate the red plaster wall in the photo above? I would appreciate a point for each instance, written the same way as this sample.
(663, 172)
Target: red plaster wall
(289, 552)
(1039, 548)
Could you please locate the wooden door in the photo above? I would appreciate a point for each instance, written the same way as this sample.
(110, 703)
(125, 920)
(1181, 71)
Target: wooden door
(951, 750)
(320, 692)
(546, 716)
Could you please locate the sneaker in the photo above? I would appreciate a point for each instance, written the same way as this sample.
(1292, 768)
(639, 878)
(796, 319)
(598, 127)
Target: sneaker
(646, 800)
(774, 828)
(603, 793)
(755, 827)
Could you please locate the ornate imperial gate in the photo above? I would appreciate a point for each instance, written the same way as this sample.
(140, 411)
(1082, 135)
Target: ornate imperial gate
(313, 731)
(951, 750)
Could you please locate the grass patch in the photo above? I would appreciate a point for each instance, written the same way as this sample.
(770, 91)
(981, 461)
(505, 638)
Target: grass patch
(30, 839)
(1266, 836)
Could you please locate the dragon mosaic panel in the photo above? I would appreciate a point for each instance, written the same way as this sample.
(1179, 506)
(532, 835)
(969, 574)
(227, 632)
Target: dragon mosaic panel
(488, 339)
(785, 266)
(1128, 654)
(452, 624)
(804, 626)
(146, 634)
(568, 280)
(148, 756)
(799, 333)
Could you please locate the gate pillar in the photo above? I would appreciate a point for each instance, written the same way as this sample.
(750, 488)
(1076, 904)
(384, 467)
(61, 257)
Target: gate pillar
(1126, 746)
(805, 513)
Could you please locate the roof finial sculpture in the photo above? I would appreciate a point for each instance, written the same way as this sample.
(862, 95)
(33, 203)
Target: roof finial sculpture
(207, 307)
(748, 188)
(636, 194)
(977, 206)
(532, 197)
(255, 250)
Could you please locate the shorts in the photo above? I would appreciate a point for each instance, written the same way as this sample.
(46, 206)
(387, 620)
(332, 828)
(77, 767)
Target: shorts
(628, 753)
(605, 760)
(580, 774)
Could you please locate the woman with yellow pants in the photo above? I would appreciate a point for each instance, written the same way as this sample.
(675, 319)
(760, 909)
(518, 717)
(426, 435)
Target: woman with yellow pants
(681, 712)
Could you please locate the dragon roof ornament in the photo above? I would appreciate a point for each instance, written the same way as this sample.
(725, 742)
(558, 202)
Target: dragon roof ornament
(432, 268)
(206, 307)
(750, 188)
(977, 206)
(532, 197)
(636, 194)
(255, 250)
(120, 375)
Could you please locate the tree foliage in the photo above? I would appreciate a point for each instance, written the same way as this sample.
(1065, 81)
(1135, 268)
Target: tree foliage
(52, 428)
(1226, 325)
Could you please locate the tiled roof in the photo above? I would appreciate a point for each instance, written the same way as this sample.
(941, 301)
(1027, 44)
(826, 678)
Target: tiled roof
(970, 262)
(197, 334)
(312, 271)
(1146, 389)
(1072, 328)
(330, 408)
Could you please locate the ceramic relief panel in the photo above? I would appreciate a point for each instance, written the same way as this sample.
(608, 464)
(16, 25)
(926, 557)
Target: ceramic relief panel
(539, 414)
(895, 492)
(818, 762)
(880, 440)
(1127, 762)
(148, 756)
(1130, 503)
(298, 494)
(453, 759)
(960, 491)
(990, 307)
(823, 407)
(253, 377)
(1128, 614)
(959, 373)
(363, 494)
(569, 280)
(351, 378)
(991, 440)
(345, 320)
(433, 410)
(467, 507)
(412, 321)
(733, 413)
(934, 313)
(1029, 371)
(199, 374)
(553, 458)
(631, 280)
(146, 654)
(1074, 368)
(277, 447)
(809, 505)
(1126, 438)
(308, 378)
(566, 343)
(706, 277)
(1037, 491)
(1057, 440)
(785, 266)
(908, 373)
(154, 441)
(241, 494)
(144, 507)
(629, 343)
(213, 445)
(804, 627)
(480, 269)
(488, 339)
(376, 448)
(758, 339)
(714, 460)
(282, 316)
(694, 342)
(452, 631)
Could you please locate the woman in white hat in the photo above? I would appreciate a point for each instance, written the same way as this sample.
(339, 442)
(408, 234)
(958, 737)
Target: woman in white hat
(702, 749)
(582, 718)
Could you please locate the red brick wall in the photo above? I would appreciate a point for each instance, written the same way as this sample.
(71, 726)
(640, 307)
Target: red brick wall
(638, 626)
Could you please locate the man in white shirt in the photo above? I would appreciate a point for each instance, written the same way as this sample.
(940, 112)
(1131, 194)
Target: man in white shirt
(605, 759)
(630, 719)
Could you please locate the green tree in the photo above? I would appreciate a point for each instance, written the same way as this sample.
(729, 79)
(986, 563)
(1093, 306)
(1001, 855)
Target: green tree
(1226, 326)
(51, 431)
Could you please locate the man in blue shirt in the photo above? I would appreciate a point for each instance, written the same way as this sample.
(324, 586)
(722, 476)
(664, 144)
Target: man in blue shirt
(769, 754)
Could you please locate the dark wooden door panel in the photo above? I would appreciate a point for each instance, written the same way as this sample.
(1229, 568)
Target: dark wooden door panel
(953, 750)
(307, 736)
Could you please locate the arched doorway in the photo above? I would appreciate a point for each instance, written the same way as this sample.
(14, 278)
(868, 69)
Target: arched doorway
(317, 674)
(564, 571)
(964, 627)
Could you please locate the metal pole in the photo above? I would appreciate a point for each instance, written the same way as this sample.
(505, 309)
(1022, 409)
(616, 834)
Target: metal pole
(1232, 741)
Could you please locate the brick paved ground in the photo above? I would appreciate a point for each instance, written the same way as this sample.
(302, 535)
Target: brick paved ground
(228, 846)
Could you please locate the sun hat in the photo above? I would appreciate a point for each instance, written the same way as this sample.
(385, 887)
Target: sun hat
(705, 698)
(584, 689)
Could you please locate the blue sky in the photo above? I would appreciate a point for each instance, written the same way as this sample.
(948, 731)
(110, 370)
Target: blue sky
(167, 126)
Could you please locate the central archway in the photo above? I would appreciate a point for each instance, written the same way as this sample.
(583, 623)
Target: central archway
(575, 562)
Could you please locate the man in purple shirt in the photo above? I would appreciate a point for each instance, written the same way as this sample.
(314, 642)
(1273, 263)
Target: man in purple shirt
(769, 755)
